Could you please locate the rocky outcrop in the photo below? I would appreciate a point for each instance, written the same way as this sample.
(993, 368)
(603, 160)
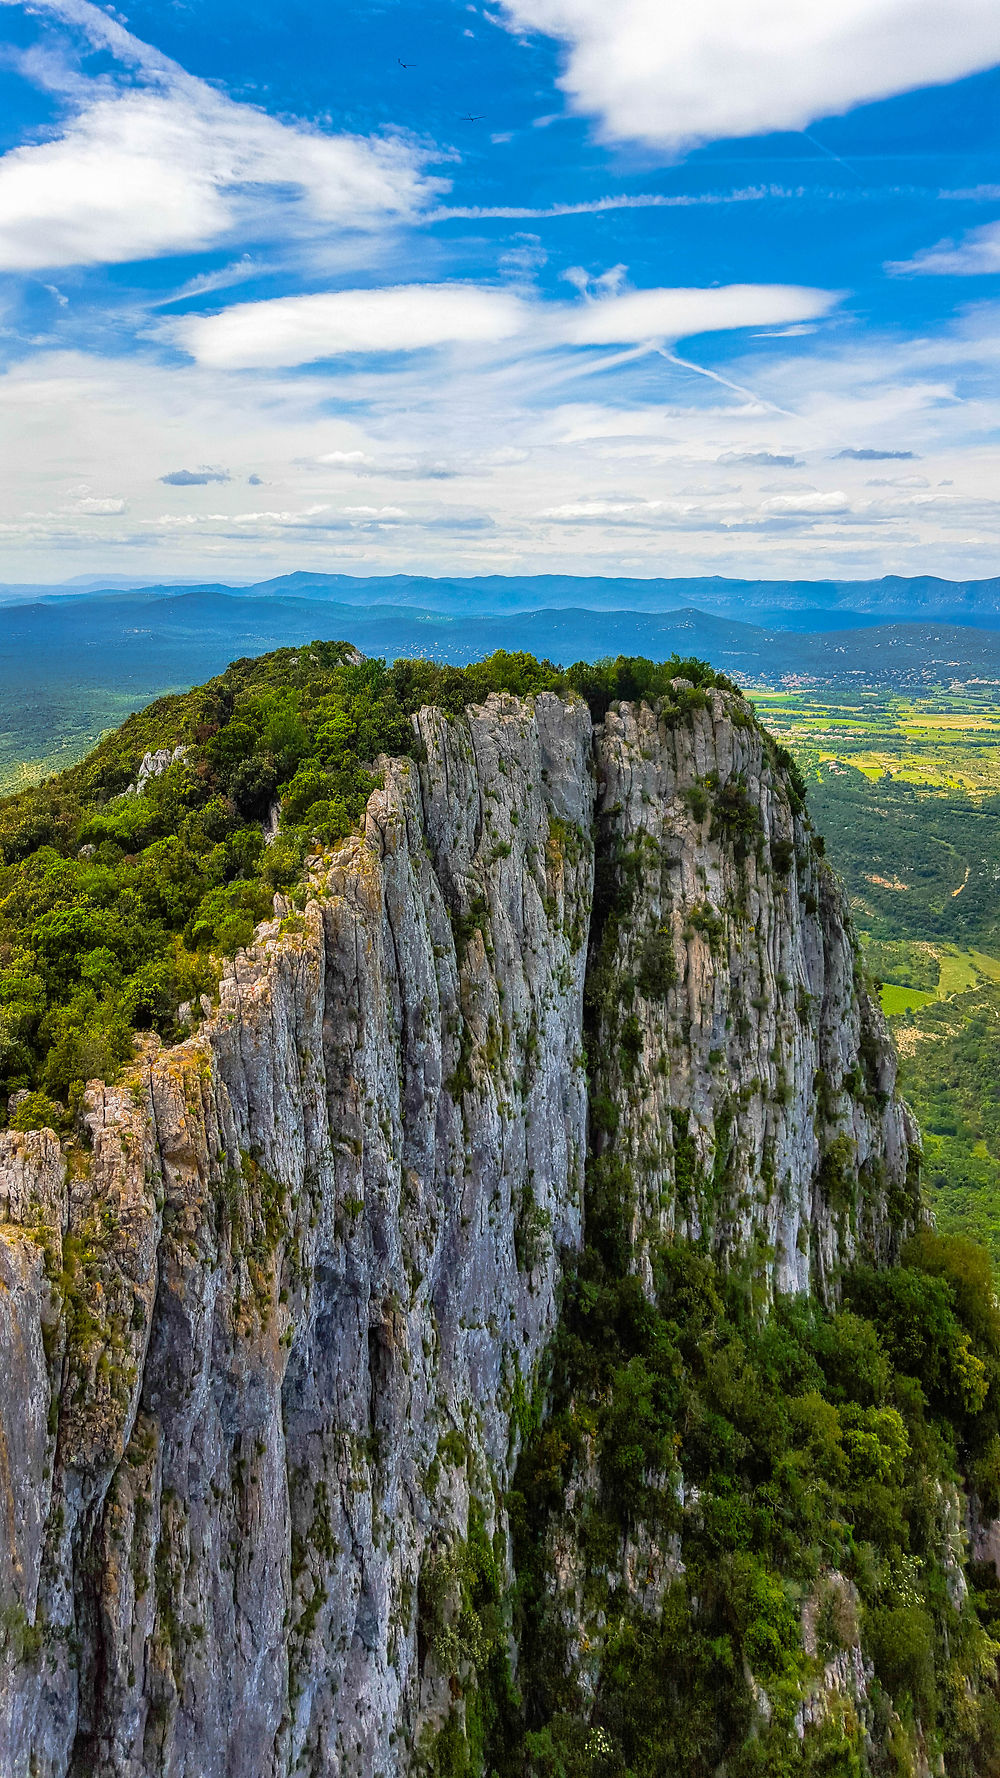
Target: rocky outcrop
(269, 1336)
(153, 765)
(747, 1079)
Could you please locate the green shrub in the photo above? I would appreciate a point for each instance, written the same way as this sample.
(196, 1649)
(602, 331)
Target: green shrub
(657, 972)
(38, 1112)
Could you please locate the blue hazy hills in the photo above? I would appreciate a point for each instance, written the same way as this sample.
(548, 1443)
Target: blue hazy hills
(76, 659)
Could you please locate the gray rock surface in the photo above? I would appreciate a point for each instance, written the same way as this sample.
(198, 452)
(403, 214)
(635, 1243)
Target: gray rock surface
(268, 1338)
(764, 1070)
(153, 765)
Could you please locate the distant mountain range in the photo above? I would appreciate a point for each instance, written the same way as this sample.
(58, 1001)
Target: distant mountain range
(804, 605)
(74, 662)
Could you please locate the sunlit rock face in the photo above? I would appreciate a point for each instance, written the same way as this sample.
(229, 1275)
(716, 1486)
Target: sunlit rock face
(269, 1338)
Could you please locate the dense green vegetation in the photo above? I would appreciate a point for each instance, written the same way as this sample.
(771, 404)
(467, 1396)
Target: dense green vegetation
(811, 1446)
(950, 1073)
(113, 907)
(918, 863)
(906, 795)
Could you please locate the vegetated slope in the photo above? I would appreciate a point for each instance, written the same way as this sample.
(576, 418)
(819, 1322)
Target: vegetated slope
(501, 1339)
(915, 834)
(112, 904)
(950, 1072)
(919, 863)
(922, 868)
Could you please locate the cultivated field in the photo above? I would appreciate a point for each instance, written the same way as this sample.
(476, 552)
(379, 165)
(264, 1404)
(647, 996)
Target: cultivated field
(947, 741)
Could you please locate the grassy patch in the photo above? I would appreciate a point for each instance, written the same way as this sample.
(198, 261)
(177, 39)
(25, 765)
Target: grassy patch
(987, 966)
(958, 972)
(896, 1000)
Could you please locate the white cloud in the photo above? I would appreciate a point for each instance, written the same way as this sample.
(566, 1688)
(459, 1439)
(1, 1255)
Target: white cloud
(979, 252)
(672, 75)
(810, 504)
(601, 477)
(748, 194)
(294, 330)
(101, 508)
(675, 314)
(898, 481)
(175, 167)
(301, 329)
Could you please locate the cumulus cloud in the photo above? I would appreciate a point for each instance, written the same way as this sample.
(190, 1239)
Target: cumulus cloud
(702, 511)
(304, 329)
(812, 504)
(100, 509)
(673, 75)
(172, 166)
(194, 478)
(405, 468)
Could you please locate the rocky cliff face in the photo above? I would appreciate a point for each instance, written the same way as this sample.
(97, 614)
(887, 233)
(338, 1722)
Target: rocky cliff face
(269, 1336)
(748, 1080)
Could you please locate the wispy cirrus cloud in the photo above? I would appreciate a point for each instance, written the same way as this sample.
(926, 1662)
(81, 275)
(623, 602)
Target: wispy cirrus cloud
(751, 194)
(976, 254)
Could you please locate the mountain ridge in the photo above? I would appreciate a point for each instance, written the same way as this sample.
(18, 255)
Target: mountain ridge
(892, 595)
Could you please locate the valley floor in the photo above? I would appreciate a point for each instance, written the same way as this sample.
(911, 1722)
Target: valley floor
(906, 793)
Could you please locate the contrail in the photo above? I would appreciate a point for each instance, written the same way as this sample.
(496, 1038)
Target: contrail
(727, 382)
(834, 157)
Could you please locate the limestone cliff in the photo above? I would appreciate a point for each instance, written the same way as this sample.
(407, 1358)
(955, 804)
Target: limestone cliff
(269, 1334)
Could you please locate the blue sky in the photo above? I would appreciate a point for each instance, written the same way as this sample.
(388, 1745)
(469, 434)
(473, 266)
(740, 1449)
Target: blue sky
(530, 285)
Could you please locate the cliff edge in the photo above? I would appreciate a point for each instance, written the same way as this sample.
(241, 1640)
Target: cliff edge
(274, 1339)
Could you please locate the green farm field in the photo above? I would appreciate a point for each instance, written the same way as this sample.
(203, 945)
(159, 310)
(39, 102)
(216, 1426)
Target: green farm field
(947, 741)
